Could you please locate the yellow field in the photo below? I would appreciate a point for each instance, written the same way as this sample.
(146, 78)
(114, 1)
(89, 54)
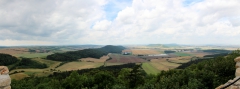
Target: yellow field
(14, 51)
(79, 65)
(18, 76)
(144, 51)
(102, 59)
(163, 64)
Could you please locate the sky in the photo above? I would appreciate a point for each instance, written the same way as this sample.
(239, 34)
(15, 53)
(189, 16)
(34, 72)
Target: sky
(118, 22)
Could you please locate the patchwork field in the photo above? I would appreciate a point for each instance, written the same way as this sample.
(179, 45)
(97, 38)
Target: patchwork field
(119, 58)
(144, 51)
(156, 65)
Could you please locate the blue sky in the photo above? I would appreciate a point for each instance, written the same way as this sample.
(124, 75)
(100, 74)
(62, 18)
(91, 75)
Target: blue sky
(190, 2)
(64, 22)
(114, 6)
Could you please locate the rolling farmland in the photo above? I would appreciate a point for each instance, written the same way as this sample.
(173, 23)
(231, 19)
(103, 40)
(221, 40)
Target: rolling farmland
(118, 58)
(144, 51)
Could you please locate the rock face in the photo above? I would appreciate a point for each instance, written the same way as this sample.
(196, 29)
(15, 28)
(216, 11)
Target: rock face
(5, 80)
(235, 83)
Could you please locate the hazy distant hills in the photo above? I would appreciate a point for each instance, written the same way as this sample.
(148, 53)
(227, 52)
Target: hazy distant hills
(164, 45)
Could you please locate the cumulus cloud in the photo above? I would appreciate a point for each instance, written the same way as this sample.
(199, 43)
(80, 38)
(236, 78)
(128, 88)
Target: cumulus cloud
(120, 22)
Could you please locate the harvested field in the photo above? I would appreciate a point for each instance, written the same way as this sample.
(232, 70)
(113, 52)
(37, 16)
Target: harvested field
(118, 58)
(102, 59)
(18, 76)
(155, 65)
(144, 51)
(199, 54)
(78, 65)
(14, 51)
(163, 64)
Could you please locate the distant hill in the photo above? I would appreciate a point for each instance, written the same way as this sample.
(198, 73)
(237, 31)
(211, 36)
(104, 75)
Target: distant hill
(3, 47)
(163, 45)
(93, 53)
(112, 49)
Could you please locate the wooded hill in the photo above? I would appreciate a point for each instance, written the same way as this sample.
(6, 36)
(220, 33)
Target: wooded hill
(93, 53)
(6, 59)
(207, 74)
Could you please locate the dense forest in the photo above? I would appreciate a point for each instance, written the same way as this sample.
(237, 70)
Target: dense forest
(6, 59)
(169, 51)
(93, 53)
(217, 51)
(207, 74)
(27, 63)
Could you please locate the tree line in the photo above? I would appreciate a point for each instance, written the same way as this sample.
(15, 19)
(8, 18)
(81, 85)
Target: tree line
(93, 53)
(6, 59)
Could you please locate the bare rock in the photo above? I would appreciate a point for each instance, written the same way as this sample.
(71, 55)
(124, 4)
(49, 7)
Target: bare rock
(237, 59)
(3, 70)
(237, 73)
(5, 79)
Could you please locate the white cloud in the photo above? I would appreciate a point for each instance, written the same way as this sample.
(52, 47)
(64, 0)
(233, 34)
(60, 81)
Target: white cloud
(141, 22)
(102, 25)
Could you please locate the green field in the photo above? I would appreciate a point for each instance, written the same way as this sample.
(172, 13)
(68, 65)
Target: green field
(182, 54)
(33, 55)
(149, 69)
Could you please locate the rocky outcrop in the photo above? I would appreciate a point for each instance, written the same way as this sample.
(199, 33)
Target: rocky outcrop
(5, 80)
(235, 83)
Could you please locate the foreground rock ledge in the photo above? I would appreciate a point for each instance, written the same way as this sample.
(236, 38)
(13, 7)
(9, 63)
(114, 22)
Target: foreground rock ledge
(235, 85)
(5, 80)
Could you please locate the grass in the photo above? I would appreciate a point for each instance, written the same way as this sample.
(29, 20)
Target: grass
(36, 72)
(33, 55)
(111, 64)
(49, 63)
(149, 69)
(182, 54)
(18, 76)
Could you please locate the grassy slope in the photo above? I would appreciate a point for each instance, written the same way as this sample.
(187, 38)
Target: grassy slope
(32, 55)
(149, 69)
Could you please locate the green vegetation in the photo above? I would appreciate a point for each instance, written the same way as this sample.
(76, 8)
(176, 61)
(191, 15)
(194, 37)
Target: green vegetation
(6, 59)
(169, 51)
(28, 63)
(217, 51)
(33, 55)
(149, 69)
(93, 53)
(182, 54)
